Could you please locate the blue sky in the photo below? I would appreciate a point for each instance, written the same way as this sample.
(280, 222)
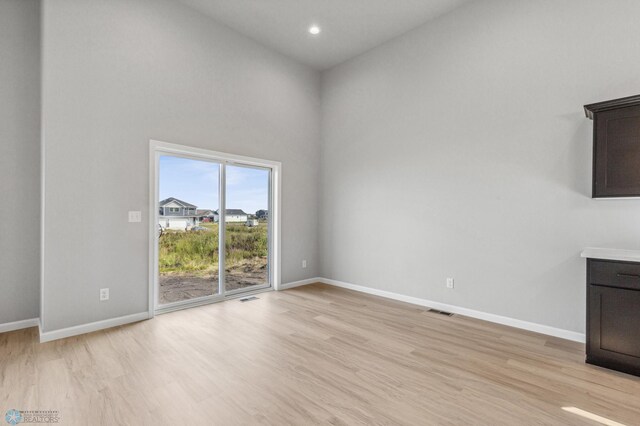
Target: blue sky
(196, 182)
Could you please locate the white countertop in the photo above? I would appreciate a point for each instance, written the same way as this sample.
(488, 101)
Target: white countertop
(611, 254)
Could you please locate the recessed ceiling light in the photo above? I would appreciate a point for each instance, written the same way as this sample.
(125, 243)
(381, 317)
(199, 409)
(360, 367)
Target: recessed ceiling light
(314, 30)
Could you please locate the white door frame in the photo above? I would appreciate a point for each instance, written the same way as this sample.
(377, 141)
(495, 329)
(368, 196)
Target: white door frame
(156, 149)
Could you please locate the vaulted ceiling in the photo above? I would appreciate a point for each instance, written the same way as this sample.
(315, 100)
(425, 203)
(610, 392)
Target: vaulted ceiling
(349, 27)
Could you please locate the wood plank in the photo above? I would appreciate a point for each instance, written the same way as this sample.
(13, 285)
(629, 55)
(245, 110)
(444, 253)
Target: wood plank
(311, 355)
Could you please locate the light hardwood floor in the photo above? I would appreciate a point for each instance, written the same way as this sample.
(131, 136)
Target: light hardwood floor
(315, 354)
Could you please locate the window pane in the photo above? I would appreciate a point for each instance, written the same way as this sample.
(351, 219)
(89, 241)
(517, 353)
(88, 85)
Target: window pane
(189, 238)
(247, 227)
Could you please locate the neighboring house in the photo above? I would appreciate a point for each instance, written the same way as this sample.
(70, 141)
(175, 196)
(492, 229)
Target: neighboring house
(180, 215)
(234, 216)
(262, 214)
(207, 215)
(177, 214)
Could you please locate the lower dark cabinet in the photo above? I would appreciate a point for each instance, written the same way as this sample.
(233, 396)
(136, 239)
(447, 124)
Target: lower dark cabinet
(613, 315)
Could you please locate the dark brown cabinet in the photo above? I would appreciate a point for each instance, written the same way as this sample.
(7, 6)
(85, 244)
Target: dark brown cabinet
(616, 147)
(613, 315)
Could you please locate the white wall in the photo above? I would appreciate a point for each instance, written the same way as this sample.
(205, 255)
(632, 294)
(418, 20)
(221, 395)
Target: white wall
(115, 75)
(19, 159)
(472, 125)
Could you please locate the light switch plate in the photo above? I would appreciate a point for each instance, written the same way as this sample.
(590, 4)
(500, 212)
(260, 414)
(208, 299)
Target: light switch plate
(135, 216)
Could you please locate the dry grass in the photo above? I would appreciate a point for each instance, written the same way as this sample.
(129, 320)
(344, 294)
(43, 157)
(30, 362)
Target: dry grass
(196, 252)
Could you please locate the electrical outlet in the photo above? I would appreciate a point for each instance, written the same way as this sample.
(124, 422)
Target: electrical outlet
(304, 263)
(104, 294)
(449, 282)
(135, 216)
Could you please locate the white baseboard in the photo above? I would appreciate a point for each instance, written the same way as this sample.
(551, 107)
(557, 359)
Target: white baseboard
(113, 322)
(19, 325)
(512, 322)
(48, 336)
(300, 283)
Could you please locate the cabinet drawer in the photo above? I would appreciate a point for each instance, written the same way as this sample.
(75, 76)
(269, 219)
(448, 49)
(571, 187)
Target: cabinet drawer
(614, 274)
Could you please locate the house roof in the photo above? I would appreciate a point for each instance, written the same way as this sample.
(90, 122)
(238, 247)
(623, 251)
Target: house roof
(234, 212)
(182, 203)
(205, 212)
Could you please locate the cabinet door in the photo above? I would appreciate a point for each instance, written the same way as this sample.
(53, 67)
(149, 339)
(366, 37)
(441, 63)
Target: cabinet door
(614, 328)
(617, 153)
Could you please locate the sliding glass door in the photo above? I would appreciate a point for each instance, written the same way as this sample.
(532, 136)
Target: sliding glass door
(246, 229)
(213, 227)
(188, 237)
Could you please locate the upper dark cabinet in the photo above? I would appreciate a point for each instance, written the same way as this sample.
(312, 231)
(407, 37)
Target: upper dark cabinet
(616, 147)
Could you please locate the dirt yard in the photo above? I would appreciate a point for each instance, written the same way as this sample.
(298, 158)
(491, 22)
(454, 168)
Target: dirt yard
(175, 287)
